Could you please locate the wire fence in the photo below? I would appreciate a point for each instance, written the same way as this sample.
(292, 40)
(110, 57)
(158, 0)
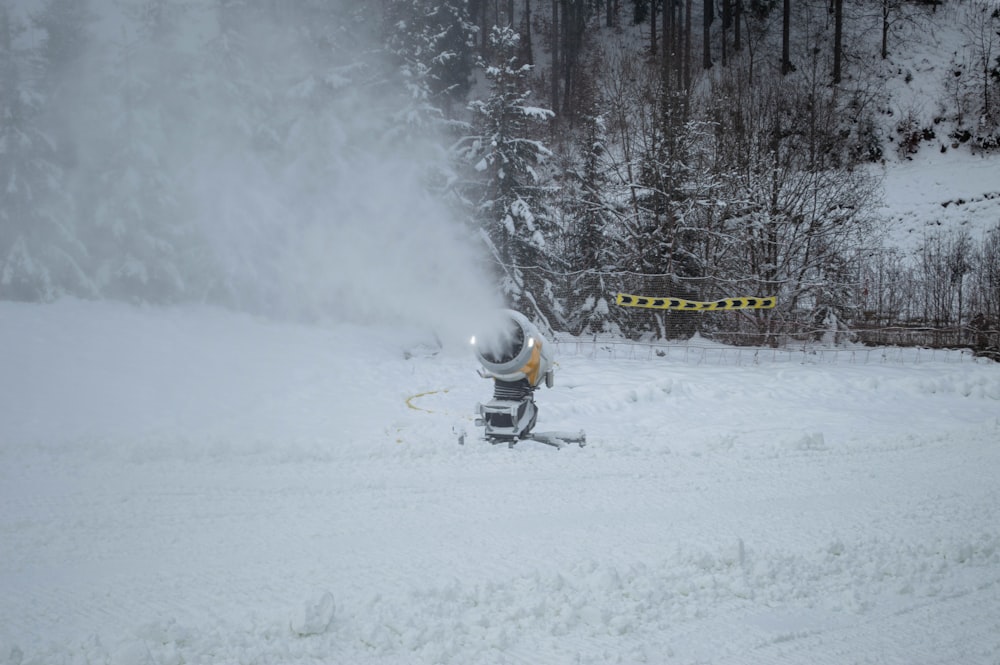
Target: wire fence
(698, 351)
(588, 322)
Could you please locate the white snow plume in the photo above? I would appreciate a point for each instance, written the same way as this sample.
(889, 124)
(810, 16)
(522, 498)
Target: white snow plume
(498, 336)
(347, 229)
(255, 156)
(376, 247)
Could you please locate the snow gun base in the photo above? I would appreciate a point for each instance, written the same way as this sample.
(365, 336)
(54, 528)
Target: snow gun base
(509, 421)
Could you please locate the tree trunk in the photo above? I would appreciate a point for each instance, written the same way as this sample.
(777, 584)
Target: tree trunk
(706, 34)
(687, 49)
(529, 55)
(727, 21)
(572, 25)
(838, 39)
(786, 21)
(885, 29)
(555, 37)
(737, 31)
(668, 62)
(652, 27)
(475, 6)
(687, 59)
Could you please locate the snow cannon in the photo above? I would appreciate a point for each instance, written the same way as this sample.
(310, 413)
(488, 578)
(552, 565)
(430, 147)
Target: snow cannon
(513, 351)
(515, 355)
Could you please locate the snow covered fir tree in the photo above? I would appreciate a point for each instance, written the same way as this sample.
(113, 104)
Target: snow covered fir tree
(503, 151)
(193, 151)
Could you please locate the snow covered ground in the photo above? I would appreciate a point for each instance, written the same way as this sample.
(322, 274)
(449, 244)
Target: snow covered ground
(195, 486)
(946, 187)
(938, 193)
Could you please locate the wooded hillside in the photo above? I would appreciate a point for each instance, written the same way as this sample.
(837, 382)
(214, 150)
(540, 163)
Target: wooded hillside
(206, 151)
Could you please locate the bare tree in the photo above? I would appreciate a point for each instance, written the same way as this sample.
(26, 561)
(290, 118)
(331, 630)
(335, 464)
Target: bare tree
(985, 288)
(794, 213)
(981, 27)
(960, 264)
(892, 14)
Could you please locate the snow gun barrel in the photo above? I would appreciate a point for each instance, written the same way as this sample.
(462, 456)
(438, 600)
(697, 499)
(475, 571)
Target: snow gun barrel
(511, 348)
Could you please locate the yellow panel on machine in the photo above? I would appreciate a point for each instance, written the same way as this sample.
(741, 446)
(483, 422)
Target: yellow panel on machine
(626, 300)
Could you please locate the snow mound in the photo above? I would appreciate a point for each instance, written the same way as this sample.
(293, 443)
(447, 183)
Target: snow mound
(315, 616)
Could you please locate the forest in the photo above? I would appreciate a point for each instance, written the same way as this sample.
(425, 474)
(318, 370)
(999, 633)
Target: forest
(233, 152)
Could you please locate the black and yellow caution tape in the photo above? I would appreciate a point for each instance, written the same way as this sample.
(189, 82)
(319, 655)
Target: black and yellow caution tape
(626, 300)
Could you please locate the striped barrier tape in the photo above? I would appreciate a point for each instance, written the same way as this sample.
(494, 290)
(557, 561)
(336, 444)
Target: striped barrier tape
(626, 300)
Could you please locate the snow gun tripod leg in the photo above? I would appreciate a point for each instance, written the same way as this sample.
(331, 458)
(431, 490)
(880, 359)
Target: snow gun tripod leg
(559, 439)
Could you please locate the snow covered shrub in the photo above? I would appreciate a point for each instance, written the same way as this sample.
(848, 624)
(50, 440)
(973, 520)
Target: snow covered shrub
(910, 135)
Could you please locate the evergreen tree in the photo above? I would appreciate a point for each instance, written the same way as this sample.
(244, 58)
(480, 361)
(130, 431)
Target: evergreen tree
(292, 101)
(433, 42)
(62, 57)
(431, 46)
(243, 73)
(40, 254)
(590, 247)
(593, 248)
(146, 246)
(510, 204)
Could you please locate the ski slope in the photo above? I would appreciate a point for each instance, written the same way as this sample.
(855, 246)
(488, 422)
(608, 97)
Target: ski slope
(194, 486)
